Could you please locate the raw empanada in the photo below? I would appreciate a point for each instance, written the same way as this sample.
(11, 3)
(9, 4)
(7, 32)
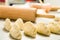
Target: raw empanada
(15, 33)
(43, 29)
(57, 19)
(29, 29)
(19, 22)
(7, 25)
(54, 27)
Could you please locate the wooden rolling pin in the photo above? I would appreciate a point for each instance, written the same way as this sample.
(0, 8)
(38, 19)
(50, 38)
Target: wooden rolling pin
(47, 7)
(13, 12)
(55, 8)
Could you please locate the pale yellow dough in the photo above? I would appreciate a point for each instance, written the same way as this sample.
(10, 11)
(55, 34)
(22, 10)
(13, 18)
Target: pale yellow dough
(54, 27)
(15, 32)
(43, 29)
(30, 29)
(7, 25)
(19, 23)
(57, 18)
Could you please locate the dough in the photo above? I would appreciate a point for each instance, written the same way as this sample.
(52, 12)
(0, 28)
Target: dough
(57, 18)
(43, 29)
(15, 33)
(7, 25)
(54, 27)
(29, 29)
(19, 23)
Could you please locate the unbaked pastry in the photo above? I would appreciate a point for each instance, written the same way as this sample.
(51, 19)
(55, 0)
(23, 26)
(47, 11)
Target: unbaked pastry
(57, 18)
(43, 29)
(54, 27)
(19, 22)
(7, 25)
(15, 33)
(30, 29)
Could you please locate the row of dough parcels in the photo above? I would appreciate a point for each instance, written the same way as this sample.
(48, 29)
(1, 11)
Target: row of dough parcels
(30, 29)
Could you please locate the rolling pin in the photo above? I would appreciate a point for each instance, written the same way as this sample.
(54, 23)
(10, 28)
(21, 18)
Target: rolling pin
(55, 8)
(45, 6)
(13, 12)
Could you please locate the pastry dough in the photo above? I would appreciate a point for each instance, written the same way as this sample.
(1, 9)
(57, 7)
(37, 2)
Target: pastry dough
(19, 23)
(54, 27)
(57, 18)
(29, 29)
(7, 25)
(15, 33)
(43, 29)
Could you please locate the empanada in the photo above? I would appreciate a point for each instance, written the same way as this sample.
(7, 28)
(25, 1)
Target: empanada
(43, 29)
(54, 27)
(19, 22)
(30, 29)
(57, 18)
(7, 25)
(15, 33)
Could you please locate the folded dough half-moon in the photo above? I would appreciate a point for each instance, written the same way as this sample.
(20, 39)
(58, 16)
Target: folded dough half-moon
(43, 29)
(20, 23)
(7, 24)
(54, 27)
(15, 33)
(30, 29)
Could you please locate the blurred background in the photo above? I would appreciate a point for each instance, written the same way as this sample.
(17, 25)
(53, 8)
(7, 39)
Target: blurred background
(8, 2)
